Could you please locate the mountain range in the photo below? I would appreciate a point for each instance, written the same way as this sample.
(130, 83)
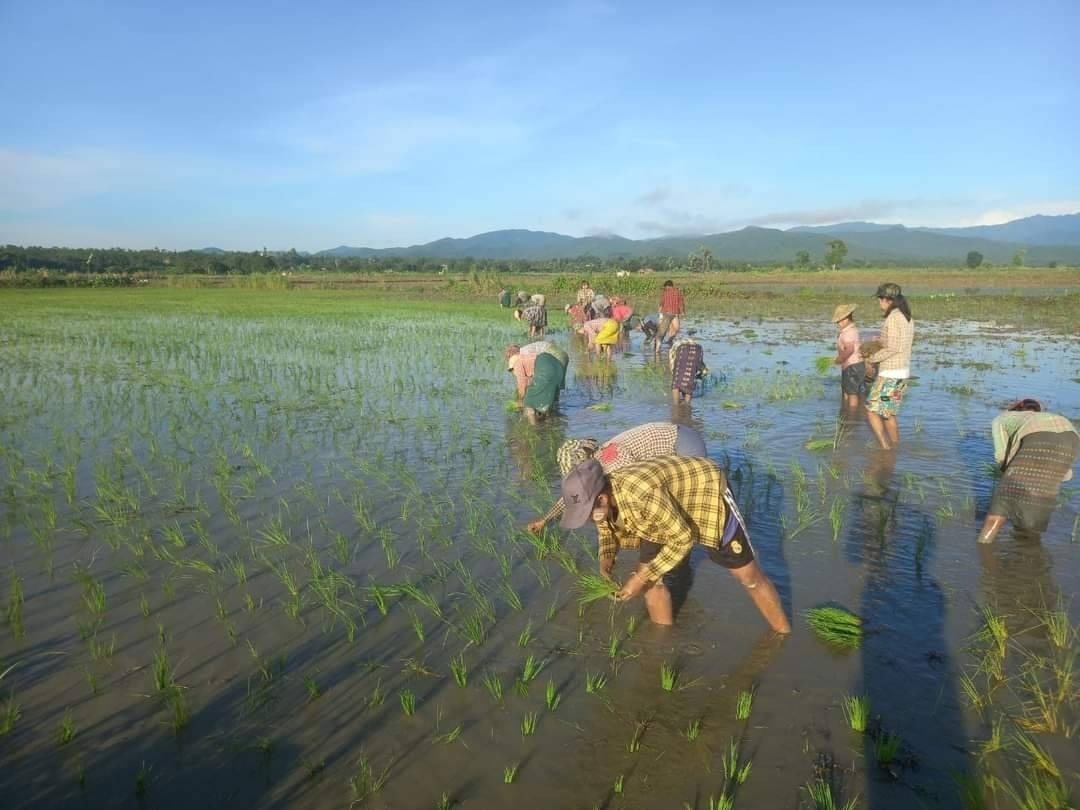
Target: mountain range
(1045, 239)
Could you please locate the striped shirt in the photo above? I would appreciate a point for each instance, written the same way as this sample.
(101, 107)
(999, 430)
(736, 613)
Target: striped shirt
(1010, 427)
(629, 447)
(672, 301)
(672, 501)
(894, 356)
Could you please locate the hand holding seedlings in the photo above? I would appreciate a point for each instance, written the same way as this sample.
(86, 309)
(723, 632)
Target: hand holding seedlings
(632, 587)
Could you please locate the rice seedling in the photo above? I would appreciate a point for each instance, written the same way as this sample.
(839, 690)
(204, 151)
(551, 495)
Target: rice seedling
(365, 782)
(142, 778)
(178, 710)
(408, 702)
(473, 629)
(493, 683)
(416, 593)
(836, 518)
(67, 730)
(592, 587)
(528, 724)
(1038, 756)
(552, 696)
(631, 626)
(10, 714)
(161, 671)
(314, 691)
(14, 608)
(996, 741)
(613, 646)
(595, 682)
(693, 729)
(510, 773)
(525, 637)
(722, 802)
(857, 711)
(971, 692)
(619, 785)
(836, 625)
(447, 737)
(744, 704)
(445, 802)
(1039, 790)
(886, 747)
(734, 773)
(460, 670)
(511, 596)
(417, 625)
(994, 631)
(820, 792)
(1059, 629)
(669, 674)
(378, 595)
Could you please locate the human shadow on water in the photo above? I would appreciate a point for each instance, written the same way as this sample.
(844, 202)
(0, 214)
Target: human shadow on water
(977, 450)
(916, 741)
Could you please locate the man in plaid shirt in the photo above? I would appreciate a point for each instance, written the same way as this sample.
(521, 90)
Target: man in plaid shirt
(662, 507)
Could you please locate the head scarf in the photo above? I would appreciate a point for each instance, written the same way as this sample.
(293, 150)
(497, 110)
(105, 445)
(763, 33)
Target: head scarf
(573, 452)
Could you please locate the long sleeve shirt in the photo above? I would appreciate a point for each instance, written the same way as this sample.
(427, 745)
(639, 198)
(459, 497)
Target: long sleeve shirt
(894, 357)
(524, 365)
(672, 501)
(1010, 427)
(847, 346)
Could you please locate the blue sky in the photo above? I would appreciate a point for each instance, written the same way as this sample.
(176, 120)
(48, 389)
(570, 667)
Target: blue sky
(311, 125)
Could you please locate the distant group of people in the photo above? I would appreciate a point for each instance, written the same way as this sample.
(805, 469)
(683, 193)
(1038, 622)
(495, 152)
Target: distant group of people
(652, 488)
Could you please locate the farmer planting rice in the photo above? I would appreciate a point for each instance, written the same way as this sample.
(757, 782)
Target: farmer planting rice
(686, 359)
(534, 313)
(663, 507)
(672, 305)
(607, 336)
(852, 365)
(640, 443)
(1035, 451)
(893, 361)
(539, 373)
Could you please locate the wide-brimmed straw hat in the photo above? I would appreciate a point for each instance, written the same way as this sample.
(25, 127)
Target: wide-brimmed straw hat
(842, 311)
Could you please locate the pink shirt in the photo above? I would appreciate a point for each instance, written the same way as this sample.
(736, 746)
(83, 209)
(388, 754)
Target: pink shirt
(621, 312)
(523, 371)
(847, 346)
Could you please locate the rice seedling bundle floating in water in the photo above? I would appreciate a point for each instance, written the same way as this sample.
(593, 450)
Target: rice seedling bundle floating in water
(836, 625)
(593, 586)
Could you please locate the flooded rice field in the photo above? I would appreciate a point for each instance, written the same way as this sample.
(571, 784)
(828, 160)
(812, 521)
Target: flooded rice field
(281, 562)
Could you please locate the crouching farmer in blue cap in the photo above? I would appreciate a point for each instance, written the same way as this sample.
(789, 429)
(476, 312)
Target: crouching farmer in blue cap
(662, 507)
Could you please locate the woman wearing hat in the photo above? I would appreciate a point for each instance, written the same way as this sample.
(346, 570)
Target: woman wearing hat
(894, 361)
(636, 444)
(1035, 451)
(852, 366)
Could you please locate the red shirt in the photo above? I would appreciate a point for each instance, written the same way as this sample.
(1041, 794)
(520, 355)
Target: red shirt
(671, 301)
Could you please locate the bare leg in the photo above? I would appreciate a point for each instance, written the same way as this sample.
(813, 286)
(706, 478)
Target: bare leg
(892, 430)
(852, 401)
(764, 596)
(877, 425)
(658, 603)
(991, 526)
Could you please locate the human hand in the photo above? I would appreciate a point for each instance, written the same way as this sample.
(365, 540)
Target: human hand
(631, 588)
(606, 567)
(536, 526)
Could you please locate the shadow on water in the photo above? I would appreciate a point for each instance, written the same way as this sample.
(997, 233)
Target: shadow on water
(909, 673)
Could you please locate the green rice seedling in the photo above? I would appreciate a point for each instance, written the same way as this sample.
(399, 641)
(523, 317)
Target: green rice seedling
(525, 637)
(595, 682)
(66, 731)
(613, 646)
(970, 790)
(669, 674)
(724, 801)
(142, 778)
(857, 711)
(493, 683)
(173, 534)
(1059, 629)
(161, 671)
(445, 802)
(417, 625)
(460, 670)
(144, 605)
(511, 596)
(823, 363)
(448, 737)
(377, 696)
(836, 518)
(10, 714)
(641, 725)
(528, 724)
(314, 691)
(14, 609)
(836, 625)
(1038, 756)
(414, 592)
(532, 668)
(178, 709)
(693, 729)
(510, 773)
(365, 782)
(631, 626)
(735, 773)
(971, 692)
(619, 785)
(744, 704)
(886, 747)
(994, 631)
(592, 587)
(378, 596)
(996, 741)
(1039, 790)
(408, 702)
(552, 696)
(820, 792)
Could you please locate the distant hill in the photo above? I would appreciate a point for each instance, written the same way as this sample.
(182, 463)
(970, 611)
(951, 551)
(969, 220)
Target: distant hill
(1036, 230)
(866, 242)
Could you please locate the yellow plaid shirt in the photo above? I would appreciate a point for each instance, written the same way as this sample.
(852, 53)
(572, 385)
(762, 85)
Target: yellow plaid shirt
(672, 501)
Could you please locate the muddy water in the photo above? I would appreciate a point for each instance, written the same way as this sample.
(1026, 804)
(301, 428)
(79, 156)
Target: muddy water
(195, 466)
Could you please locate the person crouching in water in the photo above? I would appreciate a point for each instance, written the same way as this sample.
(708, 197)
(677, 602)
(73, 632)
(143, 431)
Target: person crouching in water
(1035, 451)
(687, 361)
(539, 377)
(534, 314)
(607, 337)
(664, 507)
(852, 365)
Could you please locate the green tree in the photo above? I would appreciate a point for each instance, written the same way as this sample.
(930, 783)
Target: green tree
(1018, 258)
(974, 259)
(802, 258)
(835, 254)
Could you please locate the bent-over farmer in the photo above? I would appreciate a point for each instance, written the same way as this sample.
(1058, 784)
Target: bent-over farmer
(663, 507)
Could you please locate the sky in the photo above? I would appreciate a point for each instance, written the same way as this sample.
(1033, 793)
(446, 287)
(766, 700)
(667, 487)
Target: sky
(275, 124)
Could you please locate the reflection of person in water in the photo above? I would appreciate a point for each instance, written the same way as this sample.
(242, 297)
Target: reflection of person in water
(1035, 451)
(664, 507)
(636, 444)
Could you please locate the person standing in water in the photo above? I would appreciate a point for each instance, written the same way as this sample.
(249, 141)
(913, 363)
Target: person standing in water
(664, 507)
(852, 366)
(1035, 451)
(894, 366)
(636, 444)
(672, 307)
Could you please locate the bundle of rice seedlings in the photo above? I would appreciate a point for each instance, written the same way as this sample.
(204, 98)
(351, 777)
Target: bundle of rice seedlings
(594, 586)
(836, 625)
(823, 364)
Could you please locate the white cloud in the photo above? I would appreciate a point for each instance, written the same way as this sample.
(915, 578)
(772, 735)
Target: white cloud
(996, 216)
(33, 180)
